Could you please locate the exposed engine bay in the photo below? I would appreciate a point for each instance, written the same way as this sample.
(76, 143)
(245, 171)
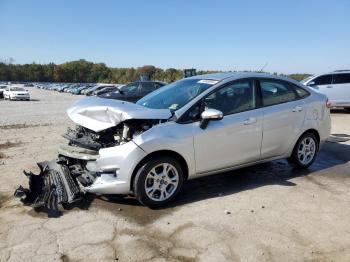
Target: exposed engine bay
(66, 179)
(113, 136)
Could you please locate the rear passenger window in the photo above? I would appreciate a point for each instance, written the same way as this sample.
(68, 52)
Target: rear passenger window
(323, 80)
(274, 93)
(341, 79)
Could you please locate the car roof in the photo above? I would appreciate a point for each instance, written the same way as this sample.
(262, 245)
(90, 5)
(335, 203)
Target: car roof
(341, 71)
(329, 73)
(228, 76)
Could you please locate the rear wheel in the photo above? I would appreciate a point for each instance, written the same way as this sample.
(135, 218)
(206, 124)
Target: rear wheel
(158, 181)
(305, 151)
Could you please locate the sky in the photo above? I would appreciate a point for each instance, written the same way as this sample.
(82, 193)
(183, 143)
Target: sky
(285, 36)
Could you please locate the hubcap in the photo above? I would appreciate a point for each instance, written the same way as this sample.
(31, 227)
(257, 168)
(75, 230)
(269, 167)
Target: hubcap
(306, 150)
(161, 182)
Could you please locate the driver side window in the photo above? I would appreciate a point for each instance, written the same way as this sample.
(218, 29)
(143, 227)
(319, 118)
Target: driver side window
(234, 98)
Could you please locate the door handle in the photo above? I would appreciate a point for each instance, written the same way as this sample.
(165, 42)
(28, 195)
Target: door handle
(297, 109)
(329, 86)
(249, 121)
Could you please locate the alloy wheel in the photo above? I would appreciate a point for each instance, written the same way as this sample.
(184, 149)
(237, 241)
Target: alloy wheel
(161, 182)
(306, 150)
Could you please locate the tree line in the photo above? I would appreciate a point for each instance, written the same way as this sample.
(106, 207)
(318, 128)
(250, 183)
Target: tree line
(82, 71)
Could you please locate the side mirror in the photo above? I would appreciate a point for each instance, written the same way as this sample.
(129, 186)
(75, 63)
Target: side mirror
(208, 115)
(312, 83)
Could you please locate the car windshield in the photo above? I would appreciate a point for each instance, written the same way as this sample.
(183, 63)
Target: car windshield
(17, 89)
(176, 95)
(130, 88)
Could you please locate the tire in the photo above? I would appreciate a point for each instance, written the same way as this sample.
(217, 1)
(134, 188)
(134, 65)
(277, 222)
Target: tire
(160, 185)
(305, 151)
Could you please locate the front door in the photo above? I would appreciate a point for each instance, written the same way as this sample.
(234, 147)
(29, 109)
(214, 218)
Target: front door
(234, 140)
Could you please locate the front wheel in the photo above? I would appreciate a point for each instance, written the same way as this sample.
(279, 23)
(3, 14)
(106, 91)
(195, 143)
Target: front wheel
(305, 151)
(158, 181)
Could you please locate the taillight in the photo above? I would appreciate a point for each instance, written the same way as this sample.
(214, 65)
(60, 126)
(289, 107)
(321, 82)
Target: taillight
(328, 103)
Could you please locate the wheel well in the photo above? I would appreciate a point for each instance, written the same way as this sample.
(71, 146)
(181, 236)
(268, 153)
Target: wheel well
(169, 153)
(314, 132)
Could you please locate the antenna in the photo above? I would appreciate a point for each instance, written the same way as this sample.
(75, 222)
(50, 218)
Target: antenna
(263, 67)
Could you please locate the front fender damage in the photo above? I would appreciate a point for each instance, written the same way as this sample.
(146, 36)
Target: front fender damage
(54, 185)
(101, 123)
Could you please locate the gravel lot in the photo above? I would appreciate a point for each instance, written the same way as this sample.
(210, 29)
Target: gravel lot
(267, 212)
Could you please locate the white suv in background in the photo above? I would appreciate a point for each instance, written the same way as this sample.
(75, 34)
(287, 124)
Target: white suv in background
(335, 85)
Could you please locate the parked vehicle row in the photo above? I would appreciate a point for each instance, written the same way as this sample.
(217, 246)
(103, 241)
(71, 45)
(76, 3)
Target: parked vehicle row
(130, 92)
(76, 89)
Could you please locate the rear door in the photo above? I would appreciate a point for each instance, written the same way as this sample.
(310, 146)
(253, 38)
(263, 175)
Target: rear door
(341, 88)
(283, 116)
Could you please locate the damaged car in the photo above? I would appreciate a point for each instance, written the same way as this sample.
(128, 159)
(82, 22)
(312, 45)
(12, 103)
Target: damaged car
(196, 126)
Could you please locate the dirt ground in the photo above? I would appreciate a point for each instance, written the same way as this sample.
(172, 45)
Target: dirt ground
(268, 212)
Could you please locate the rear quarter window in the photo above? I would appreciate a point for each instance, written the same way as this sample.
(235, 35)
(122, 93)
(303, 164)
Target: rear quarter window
(341, 79)
(300, 91)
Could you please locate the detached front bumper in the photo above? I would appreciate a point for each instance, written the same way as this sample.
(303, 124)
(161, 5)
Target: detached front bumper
(54, 185)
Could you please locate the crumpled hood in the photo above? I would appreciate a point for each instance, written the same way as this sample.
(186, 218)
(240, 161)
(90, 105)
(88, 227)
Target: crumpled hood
(98, 114)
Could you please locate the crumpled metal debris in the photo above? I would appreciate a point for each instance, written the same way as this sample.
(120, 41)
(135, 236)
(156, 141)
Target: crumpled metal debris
(54, 185)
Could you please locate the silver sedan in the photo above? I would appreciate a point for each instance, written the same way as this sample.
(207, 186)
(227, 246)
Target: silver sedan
(194, 127)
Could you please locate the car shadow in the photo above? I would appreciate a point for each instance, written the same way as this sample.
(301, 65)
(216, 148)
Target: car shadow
(278, 172)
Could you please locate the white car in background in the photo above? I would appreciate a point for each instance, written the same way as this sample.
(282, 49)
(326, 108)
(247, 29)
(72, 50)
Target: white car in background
(335, 85)
(16, 93)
